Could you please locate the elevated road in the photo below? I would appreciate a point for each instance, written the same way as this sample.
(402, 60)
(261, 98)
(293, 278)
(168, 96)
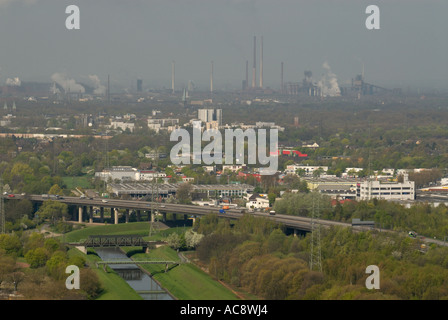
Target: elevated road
(293, 222)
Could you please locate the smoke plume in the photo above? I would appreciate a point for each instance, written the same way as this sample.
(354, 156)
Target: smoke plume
(99, 88)
(13, 82)
(69, 85)
(329, 82)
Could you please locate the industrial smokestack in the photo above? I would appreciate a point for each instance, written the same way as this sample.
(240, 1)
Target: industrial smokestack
(254, 68)
(172, 76)
(281, 80)
(211, 79)
(247, 73)
(261, 63)
(108, 88)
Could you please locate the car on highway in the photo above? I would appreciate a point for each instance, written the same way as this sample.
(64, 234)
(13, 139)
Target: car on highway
(82, 196)
(11, 196)
(272, 213)
(104, 200)
(162, 206)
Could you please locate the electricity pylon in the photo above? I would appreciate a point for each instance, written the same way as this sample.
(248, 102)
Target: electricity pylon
(315, 245)
(154, 187)
(2, 208)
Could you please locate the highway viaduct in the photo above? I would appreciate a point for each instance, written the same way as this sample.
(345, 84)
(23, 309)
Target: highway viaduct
(295, 223)
(84, 207)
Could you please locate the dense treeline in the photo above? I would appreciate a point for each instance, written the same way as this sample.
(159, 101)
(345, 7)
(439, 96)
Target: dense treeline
(257, 256)
(43, 275)
(422, 218)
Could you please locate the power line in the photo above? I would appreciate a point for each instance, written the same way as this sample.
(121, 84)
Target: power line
(315, 242)
(2, 208)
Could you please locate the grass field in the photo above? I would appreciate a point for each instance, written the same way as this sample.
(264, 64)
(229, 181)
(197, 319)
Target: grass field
(134, 228)
(73, 182)
(114, 287)
(185, 281)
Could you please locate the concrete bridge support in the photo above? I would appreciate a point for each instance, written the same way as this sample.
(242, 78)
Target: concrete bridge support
(102, 214)
(115, 215)
(164, 216)
(91, 214)
(80, 212)
(138, 216)
(126, 216)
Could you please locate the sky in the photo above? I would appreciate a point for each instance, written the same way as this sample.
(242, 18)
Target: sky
(131, 39)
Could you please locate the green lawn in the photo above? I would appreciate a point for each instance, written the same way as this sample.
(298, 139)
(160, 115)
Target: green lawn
(137, 228)
(185, 281)
(73, 182)
(114, 287)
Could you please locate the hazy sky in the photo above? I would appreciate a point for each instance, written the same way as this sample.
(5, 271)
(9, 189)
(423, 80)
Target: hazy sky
(131, 39)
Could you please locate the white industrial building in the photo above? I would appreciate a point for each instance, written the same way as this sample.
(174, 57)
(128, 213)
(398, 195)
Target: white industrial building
(386, 190)
(309, 170)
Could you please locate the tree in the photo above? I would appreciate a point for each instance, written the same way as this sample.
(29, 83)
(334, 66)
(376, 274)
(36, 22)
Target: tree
(90, 283)
(7, 265)
(183, 193)
(56, 189)
(271, 197)
(11, 244)
(16, 210)
(53, 210)
(192, 239)
(36, 257)
(16, 278)
(56, 265)
(174, 241)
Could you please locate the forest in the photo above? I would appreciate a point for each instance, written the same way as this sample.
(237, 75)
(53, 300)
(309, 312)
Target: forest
(37, 265)
(255, 255)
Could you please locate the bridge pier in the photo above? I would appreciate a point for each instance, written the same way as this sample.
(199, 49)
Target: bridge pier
(102, 214)
(80, 211)
(138, 216)
(115, 215)
(164, 216)
(126, 216)
(91, 214)
(174, 217)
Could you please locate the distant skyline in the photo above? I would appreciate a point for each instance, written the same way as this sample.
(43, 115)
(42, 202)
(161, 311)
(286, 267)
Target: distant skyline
(138, 39)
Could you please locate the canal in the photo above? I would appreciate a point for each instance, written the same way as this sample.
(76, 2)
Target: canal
(141, 282)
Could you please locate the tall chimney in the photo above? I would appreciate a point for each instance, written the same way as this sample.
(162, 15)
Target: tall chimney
(261, 63)
(281, 80)
(211, 79)
(247, 73)
(254, 68)
(108, 88)
(172, 76)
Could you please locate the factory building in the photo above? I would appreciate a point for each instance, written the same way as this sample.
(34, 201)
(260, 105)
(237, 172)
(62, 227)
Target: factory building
(368, 190)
